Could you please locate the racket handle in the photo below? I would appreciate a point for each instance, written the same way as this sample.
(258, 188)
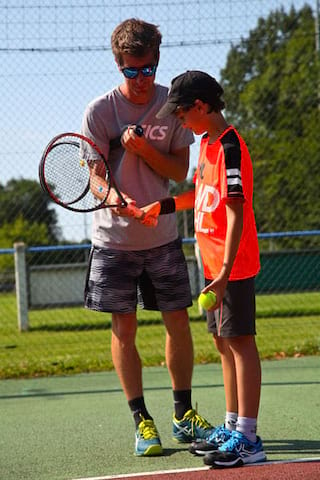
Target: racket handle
(116, 142)
(138, 130)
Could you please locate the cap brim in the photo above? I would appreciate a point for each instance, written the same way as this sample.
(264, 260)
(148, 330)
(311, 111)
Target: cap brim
(167, 109)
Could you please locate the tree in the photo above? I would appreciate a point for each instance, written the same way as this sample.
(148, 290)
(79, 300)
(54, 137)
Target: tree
(271, 83)
(20, 230)
(23, 198)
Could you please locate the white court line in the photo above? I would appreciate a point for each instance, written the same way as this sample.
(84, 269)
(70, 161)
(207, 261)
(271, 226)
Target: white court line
(132, 475)
(188, 470)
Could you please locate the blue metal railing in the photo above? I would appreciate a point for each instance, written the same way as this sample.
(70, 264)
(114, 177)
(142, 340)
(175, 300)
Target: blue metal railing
(84, 246)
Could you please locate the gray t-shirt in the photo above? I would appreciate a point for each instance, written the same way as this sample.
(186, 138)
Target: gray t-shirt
(104, 119)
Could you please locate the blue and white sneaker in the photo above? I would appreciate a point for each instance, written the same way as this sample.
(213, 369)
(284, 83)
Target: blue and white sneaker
(219, 436)
(191, 427)
(236, 451)
(147, 439)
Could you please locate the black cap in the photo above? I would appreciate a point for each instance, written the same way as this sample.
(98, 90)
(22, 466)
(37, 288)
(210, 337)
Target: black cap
(188, 87)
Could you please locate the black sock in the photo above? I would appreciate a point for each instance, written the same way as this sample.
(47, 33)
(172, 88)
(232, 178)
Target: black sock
(138, 408)
(182, 402)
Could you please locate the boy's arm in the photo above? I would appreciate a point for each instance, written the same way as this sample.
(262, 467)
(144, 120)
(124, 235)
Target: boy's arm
(184, 201)
(234, 212)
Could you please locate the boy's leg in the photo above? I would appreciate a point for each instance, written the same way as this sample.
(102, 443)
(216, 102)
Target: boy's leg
(235, 322)
(244, 446)
(229, 373)
(233, 326)
(248, 371)
(223, 432)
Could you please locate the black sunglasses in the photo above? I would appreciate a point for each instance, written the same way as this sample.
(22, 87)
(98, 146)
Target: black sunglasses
(133, 72)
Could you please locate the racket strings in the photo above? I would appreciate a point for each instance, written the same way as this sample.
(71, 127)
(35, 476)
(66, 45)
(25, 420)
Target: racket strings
(65, 172)
(65, 175)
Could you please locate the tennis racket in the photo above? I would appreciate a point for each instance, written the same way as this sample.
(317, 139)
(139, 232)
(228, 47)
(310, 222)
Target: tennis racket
(64, 173)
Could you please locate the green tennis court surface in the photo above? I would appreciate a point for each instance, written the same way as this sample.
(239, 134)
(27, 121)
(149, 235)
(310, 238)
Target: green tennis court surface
(80, 426)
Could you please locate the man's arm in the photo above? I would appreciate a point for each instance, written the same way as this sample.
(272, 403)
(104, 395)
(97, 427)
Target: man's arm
(173, 165)
(99, 188)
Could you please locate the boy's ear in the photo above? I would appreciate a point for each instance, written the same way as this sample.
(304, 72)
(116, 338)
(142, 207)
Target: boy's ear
(200, 105)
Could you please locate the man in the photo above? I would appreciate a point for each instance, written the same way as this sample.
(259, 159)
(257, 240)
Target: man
(125, 254)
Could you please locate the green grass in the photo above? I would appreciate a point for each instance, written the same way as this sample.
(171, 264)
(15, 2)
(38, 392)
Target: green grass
(74, 340)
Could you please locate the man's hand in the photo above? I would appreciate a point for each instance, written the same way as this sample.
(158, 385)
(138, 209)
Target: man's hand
(132, 139)
(132, 211)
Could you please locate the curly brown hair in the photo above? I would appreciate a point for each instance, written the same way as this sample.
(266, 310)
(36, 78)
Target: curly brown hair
(137, 38)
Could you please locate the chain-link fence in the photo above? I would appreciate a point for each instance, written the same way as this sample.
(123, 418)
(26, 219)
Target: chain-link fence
(56, 57)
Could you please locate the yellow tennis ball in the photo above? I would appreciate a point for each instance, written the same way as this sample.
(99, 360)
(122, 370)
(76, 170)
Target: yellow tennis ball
(82, 163)
(207, 300)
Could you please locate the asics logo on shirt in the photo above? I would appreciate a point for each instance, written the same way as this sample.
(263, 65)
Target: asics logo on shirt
(155, 132)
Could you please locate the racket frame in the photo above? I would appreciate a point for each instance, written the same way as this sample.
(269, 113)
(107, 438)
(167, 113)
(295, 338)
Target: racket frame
(111, 182)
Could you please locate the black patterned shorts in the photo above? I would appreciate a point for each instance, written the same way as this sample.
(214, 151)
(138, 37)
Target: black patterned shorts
(156, 279)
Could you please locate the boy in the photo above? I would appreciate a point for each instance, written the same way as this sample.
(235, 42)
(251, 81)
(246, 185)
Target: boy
(227, 237)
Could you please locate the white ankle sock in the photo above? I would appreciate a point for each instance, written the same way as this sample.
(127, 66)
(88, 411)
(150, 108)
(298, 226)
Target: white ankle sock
(230, 421)
(247, 426)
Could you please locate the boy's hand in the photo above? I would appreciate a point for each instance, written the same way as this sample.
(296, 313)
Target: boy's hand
(148, 220)
(151, 213)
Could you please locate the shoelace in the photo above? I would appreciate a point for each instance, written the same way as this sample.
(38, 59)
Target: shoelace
(231, 443)
(197, 420)
(219, 432)
(147, 429)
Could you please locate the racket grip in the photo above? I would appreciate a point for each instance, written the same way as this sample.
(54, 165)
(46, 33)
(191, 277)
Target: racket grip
(138, 130)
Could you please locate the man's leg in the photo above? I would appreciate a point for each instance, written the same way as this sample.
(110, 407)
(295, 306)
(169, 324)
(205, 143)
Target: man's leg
(125, 356)
(188, 425)
(179, 349)
(127, 364)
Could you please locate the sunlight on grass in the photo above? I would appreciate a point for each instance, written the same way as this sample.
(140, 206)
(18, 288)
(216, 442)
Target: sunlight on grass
(64, 341)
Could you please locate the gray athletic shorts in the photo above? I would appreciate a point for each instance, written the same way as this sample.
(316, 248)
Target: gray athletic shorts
(156, 279)
(237, 313)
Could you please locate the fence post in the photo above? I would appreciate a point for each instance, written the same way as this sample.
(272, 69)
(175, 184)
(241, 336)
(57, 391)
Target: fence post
(21, 285)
